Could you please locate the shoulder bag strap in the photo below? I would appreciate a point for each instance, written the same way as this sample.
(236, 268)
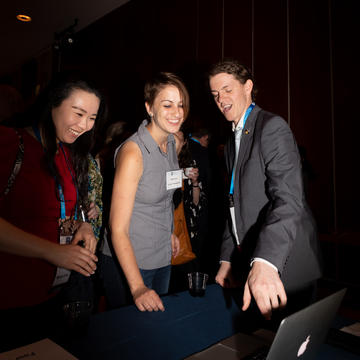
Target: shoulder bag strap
(17, 165)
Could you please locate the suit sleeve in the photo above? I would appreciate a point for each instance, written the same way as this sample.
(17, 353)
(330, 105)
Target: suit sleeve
(228, 242)
(285, 191)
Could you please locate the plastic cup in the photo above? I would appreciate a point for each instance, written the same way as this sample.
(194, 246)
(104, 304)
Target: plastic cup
(197, 283)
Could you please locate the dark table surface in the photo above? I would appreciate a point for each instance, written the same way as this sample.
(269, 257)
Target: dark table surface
(188, 325)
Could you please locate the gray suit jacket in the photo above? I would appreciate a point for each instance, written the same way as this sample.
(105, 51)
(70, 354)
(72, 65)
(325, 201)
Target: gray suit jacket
(272, 218)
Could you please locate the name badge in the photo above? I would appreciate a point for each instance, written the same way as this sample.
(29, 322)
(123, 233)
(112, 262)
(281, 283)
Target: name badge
(68, 227)
(62, 275)
(233, 222)
(174, 179)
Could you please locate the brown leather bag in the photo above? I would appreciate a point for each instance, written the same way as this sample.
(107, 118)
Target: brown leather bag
(181, 231)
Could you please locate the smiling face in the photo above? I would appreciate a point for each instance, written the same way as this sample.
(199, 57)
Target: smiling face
(231, 96)
(167, 113)
(75, 115)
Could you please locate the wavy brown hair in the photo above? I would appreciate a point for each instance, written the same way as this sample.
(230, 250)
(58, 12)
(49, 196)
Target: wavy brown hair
(159, 82)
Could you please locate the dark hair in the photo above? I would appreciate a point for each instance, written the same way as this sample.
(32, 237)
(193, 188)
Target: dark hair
(159, 82)
(184, 156)
(200, 132)
(52, 97)
(184, 159)
(239, 71)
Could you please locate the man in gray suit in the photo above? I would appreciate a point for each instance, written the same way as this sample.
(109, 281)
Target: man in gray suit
(270, 239)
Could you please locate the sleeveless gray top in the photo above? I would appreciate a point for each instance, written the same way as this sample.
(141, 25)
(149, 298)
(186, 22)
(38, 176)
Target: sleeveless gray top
(152, 222)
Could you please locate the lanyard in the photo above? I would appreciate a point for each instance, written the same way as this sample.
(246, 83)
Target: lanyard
(247, 113)
(195, 140)
(63, 213)
(61, 193)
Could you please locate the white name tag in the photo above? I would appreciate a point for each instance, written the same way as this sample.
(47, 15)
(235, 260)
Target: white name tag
(232, 214)
(174, 179)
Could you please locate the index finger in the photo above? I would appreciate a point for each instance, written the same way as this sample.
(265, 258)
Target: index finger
(90, 242)
(160, 305)
(157, 303)
(92, 246)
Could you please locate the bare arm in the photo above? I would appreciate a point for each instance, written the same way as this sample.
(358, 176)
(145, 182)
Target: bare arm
(129, 167)
(193, 176)
(18, 242)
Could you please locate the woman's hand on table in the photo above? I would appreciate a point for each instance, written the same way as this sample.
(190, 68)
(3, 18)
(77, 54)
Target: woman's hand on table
(147, 300)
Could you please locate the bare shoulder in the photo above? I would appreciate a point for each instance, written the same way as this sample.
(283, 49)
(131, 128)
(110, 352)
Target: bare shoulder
(128, 163)
(129, 152)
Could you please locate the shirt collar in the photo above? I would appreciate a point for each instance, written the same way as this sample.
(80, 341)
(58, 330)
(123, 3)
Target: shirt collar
(240, 124)
(147, 139)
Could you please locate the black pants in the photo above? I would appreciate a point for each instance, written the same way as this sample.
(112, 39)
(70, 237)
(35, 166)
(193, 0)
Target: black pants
(22, 326)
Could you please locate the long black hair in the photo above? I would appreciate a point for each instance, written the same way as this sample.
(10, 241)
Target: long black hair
(58, 91)
(184, 157)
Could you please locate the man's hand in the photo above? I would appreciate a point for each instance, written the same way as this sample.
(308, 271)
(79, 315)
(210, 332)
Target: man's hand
(264, 284)
(224, 276)
(147, 300)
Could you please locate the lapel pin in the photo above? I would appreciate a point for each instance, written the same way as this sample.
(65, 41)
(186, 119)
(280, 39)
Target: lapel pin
(246, 132)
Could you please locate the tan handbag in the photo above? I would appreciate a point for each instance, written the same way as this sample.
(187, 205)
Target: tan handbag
(180, 230)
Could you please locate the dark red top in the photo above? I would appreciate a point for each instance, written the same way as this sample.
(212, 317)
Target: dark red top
(32, 205)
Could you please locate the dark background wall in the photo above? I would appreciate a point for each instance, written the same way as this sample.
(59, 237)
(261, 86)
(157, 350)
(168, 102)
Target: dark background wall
(302, 53)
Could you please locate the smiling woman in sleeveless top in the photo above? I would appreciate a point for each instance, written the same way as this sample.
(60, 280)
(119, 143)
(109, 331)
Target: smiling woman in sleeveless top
(146, 175)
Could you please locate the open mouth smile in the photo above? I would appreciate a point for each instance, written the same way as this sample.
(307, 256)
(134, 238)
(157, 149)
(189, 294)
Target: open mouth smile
(226, 108)
(174, 122)
(74, 132)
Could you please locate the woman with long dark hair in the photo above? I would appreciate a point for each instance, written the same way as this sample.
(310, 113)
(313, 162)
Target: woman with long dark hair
(42, 202)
